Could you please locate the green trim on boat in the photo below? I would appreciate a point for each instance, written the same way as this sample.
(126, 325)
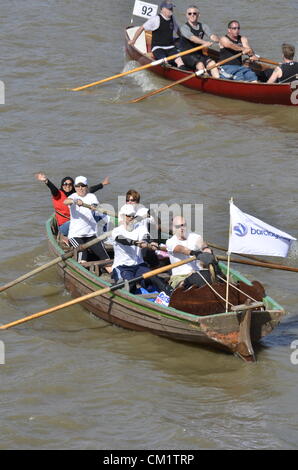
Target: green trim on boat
(79, 269)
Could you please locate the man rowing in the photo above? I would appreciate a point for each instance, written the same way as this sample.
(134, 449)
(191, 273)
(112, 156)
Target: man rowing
(182, 245)
(288, 70)
(128, 242)
(164, 28)
(194, 33)
(229, 45)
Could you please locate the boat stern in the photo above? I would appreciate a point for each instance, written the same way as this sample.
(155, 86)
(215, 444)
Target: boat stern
(245, 325)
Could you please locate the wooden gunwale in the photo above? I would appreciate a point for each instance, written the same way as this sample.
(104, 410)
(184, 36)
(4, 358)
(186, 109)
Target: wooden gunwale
(263, 93)
(124, 309)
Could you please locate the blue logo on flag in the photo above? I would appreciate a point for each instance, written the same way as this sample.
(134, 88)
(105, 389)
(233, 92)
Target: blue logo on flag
(240, 230)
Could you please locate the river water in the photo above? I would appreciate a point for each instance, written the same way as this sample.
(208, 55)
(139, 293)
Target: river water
(73, 382)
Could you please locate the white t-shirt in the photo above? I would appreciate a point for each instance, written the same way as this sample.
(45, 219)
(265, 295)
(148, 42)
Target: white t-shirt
(125, 254)
(82, 222)
(192, 242)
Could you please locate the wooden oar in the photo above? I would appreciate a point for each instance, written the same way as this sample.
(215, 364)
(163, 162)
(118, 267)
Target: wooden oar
(137, 69)
(266, 61)
(57, 260)
(259, 264)
(184, 79)
(97, 293)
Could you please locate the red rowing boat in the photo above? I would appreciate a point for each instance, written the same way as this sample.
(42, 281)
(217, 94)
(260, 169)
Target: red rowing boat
(276, 93)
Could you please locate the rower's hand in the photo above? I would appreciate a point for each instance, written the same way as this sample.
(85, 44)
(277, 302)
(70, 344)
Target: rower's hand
(79, 202)
(196, 253)
(253, 57)
(141, 244)
(247, 51)
(153, 246)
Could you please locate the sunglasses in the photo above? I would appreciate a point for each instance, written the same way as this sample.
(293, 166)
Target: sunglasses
(80, 185)
(131, 200)
(192, 13)
(131, 216)
(67, 184)
(179, 226)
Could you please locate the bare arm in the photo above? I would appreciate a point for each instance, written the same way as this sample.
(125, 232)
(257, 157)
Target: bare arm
(186, 32)
(277, 73)
(68, 201)
(225, 42)
(137, 34)
(247, 45)
(186, 251)
(197, 40)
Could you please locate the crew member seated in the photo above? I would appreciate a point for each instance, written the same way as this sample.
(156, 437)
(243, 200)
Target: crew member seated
(128, 242)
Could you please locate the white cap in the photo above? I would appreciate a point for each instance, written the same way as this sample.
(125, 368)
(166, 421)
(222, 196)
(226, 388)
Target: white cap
(127, 209)
(81, 179)
(142, 212)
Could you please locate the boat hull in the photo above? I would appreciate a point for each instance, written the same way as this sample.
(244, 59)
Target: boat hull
(225, 331)
(283, 94)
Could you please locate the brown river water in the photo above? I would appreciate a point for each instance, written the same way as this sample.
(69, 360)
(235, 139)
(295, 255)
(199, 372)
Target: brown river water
(73, 382)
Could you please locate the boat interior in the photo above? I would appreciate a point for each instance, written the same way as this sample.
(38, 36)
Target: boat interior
(204, 297)
(143, 45)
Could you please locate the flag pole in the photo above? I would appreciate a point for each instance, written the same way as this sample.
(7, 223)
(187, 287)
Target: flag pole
(228, 262)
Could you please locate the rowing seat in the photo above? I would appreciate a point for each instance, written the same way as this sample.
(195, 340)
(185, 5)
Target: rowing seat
(97, 266)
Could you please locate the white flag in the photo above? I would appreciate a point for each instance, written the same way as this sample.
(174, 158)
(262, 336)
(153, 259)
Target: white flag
(252, 236)
(144, 9)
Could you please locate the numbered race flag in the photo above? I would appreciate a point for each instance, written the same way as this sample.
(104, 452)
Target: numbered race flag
(249, 235)
(144, 9)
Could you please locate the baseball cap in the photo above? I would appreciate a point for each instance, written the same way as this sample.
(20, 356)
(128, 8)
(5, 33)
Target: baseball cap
(168, 5)
(142, 212)
(127, 209)
(82, 180)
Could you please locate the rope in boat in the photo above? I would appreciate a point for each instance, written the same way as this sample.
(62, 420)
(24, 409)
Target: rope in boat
(224, 280)
(289, 78)
(239, 290)
(215, 292)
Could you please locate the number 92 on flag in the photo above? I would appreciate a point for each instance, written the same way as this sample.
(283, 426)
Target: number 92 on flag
(144, 9)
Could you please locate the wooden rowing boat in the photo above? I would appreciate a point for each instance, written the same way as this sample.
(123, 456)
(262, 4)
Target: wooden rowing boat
(276, 93)
(234, 331)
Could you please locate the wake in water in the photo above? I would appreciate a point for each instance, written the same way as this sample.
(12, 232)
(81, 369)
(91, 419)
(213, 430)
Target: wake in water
(146, 81)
